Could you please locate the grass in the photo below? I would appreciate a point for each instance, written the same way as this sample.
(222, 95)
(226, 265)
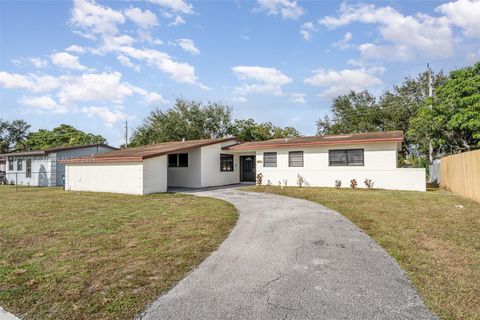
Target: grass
(435, 242)
(73, 255)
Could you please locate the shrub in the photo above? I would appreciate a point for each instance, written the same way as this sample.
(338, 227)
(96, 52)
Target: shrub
(338, 184)
(353, 184)
(369, 183)
(259, 179)
(269, 183)
(285, 182)
(300, 180)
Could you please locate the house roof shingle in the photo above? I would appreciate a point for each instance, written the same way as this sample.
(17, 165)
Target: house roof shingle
(321, 140)
(149, 151)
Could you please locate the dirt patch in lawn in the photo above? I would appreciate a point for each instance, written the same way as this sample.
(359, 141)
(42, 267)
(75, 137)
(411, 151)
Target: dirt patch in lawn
(434, 235)
(74, 255)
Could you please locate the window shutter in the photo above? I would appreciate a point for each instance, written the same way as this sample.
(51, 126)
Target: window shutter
(295, 159)
(269, 159)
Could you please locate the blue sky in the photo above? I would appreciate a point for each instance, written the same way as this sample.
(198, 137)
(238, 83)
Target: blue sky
(94, 64)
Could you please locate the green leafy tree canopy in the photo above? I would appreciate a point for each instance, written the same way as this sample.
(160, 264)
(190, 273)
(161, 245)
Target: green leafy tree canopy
(187, 120)
(249, 130)
(61, 136)
(12, 135)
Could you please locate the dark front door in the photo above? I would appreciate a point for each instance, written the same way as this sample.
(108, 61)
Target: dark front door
(247, 168)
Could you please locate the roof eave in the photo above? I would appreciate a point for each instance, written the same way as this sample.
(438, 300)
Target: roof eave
(241, 147)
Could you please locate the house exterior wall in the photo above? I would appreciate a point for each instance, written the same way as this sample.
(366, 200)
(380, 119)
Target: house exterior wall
(210, 166)
(105, 177)
(46, 170)
(43, 170)
(380, 165)
(187, 177)
(155, 175)
(74, 153)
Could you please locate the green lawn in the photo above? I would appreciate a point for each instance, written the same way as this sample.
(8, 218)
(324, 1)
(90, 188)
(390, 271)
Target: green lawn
(74, 255)
(435, 242)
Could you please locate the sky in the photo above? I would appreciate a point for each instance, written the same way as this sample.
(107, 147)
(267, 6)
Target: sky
(95, 64)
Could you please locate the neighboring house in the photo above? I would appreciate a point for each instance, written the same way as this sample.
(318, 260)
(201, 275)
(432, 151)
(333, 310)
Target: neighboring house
(43, 167)
(3, 164)
(320, 160)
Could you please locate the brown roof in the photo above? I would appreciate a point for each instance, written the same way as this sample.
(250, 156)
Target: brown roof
(150, 151)
(321, 140)
(57, 149)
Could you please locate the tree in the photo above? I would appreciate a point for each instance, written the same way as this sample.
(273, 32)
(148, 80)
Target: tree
(358, 112)
(249, 130)
(12, 135)
(352, 113)
(451, 120)
(61, 136)
(188, 120)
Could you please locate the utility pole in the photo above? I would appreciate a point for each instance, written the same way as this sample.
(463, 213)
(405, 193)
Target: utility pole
(430, 94)
(126, 134)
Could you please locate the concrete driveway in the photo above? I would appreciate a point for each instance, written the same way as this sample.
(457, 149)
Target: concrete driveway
(291, 259)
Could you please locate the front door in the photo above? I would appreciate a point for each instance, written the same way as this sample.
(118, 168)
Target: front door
(247, 168)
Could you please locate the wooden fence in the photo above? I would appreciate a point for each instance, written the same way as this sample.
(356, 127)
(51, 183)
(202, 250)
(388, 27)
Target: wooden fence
(460, 173)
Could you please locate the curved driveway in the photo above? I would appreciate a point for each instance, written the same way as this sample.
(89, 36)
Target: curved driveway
(291, 259)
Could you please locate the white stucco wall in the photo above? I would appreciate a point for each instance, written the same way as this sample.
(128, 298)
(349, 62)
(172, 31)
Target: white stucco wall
(75, 153)
(187, 176)
(210, 166)
(43, 170)
(105, 177)
(155, 175)
(380, 165)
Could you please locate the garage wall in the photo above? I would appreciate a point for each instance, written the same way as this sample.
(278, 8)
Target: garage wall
(211, 174)
(155, 175)
(380, 165)
(105, 177)
(187, 176)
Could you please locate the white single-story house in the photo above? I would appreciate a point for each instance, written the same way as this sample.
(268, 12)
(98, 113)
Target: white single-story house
(320, 160)
(43, 168)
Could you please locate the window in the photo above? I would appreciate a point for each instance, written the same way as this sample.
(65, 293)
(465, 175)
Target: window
(172, 160)
(226, 162)
(295, 159)
(178, 160)
(183, 159)
(269, 159)
(19, 165)
(10, 165)
(350, 157)
(29, 168)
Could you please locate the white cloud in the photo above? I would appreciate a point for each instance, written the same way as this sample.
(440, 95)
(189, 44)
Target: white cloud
(150, 97)
(38, 62)
(298, 98)
(179, 6)
(341, 82)
(178, 21)
(344, 42)
(67, 61)
(93, 19)
(307, 29)
(188, 46)
(44, 103)
(125, 61)
(108, 116)
(144, 19)
(94, 87)
(265, 80)
(29, 82)
(288, 9)
(75, 48)
(464, 14)
(406, 37)
(180, 72)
